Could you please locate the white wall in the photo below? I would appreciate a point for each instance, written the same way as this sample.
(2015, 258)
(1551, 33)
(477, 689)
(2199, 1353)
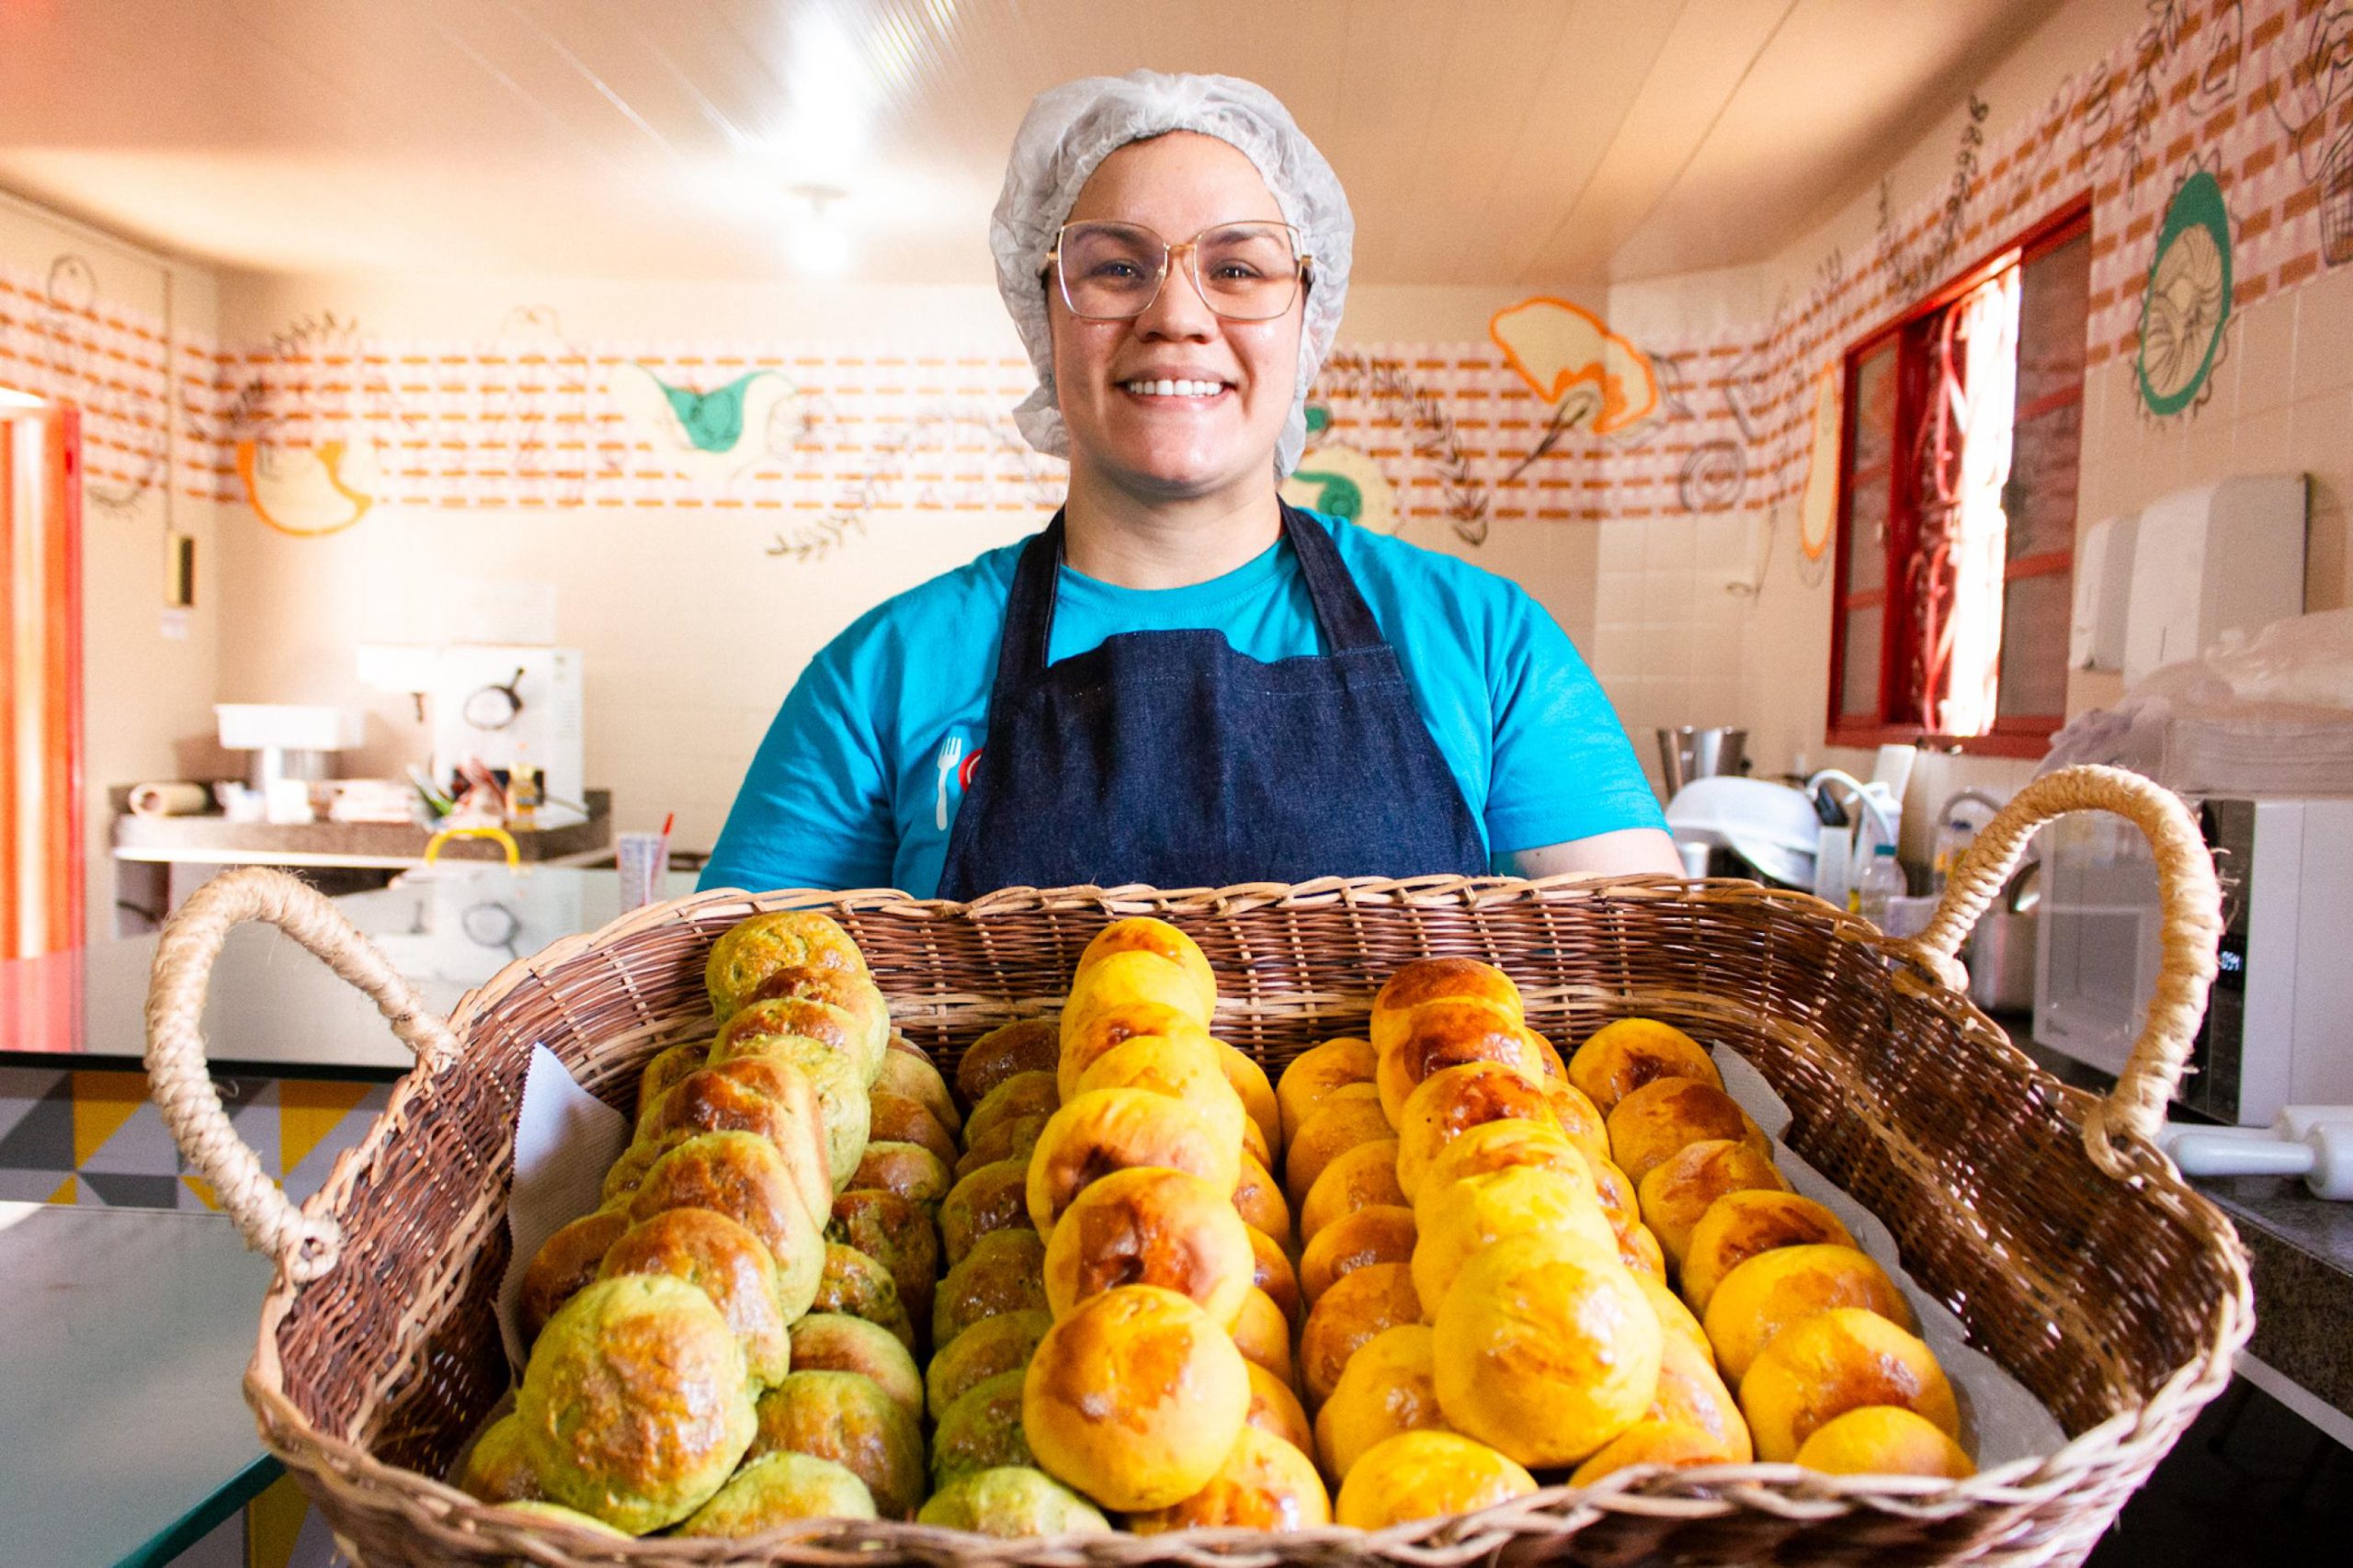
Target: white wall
(148, 694)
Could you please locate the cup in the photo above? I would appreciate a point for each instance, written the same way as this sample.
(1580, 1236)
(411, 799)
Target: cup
(642, 860)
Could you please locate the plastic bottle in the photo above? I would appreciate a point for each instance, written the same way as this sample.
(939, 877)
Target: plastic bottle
(1882, 880)
(1953, 840)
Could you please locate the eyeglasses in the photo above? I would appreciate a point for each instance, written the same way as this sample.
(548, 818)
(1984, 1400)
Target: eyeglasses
(1114, 271)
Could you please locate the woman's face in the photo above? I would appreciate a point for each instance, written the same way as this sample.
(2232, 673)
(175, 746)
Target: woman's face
(1173, 446)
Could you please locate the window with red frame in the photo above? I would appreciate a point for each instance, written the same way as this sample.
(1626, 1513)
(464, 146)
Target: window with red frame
(1957, 506)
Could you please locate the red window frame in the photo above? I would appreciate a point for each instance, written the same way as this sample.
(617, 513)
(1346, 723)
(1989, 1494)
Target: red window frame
(2016, 735)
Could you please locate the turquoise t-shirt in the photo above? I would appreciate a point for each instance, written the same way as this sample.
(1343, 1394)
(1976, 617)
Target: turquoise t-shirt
(859, 781)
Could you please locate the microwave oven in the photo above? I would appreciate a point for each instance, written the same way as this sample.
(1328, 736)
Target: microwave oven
(2279, 1026)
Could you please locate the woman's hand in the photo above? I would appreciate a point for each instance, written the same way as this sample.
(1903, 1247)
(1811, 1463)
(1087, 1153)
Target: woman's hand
(1628, 852)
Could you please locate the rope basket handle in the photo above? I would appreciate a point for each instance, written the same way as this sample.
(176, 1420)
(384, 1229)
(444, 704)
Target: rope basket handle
(304, 1248)
(2188, 897)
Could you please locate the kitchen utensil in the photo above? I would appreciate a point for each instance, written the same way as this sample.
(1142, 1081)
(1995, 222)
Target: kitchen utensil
(1685, 753)
(2312, 1142)
(1769, 825)
(951, 751)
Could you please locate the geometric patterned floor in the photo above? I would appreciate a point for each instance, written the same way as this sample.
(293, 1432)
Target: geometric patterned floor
(78, 1137)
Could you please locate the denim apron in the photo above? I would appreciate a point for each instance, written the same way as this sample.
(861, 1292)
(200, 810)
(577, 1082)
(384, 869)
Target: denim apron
(1167, 757)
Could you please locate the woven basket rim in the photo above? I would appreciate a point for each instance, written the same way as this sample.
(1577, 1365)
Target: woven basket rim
(1700, 1493)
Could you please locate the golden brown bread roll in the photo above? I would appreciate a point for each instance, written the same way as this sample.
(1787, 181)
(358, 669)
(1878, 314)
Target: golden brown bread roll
(838, 1078)
(990, 1348)
(1432, 980)
(856, 1284)
(1111, 1130)
(1388, 1387)
(837, 1342)
(1087, 1036)
(1358, 1306)
(1381, 1233)
(1651, 1124)
(1151, 1226)
(1739, 1226)
(912, 1171)
(1011, 1137)
(1135, 1398)
(787, 1018)
(1500, 1145)
(739, 1174)
(1356, 1178)
(1275, 1409)
(898, 1119)
(1313, 1075)
(1426, 1474)
(1447, 1033)
(635, 1406)
(1691, 1392)
(1017, 1095)
(755, 1094)
(853, 994)
(907, 1070)
(1257, 1091)
(1139, 934)
(995, 1198)
(1681, 1187)
(1652, 1441)
(566, 1264)
(1483, 1211)
(1824, 1366)
(728, 1263)
(1271, 1272)
(1774, 1290)
(1883, 1439)
(1544, 1349)
(1024, 1045)
(1266, 1483)
(1123, 979)
(845, 1418)
(1263, 1335)
(1349, 1115)
(1183, 1067)
(1451, 1102)
(1005, 1272)
(1622, 1057)
(666, 1070)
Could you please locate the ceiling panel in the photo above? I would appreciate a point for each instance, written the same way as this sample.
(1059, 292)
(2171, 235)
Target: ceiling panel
(1513, 142)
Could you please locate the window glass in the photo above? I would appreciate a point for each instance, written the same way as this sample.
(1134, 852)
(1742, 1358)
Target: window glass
(1858, 681)
(2034, 647)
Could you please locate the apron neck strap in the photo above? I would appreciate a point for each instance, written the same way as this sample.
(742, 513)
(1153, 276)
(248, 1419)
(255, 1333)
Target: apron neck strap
(1340, 610)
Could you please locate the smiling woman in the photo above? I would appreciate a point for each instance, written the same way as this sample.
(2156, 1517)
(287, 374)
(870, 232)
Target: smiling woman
(1183, 681)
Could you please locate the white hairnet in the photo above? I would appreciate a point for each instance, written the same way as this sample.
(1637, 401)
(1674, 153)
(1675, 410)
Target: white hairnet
(1071, 129)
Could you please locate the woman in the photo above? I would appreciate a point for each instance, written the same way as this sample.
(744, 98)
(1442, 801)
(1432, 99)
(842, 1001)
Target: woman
(1182, 681)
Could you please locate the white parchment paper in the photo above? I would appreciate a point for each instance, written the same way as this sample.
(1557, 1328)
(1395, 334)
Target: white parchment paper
(2000, 1418)
(566, 1140)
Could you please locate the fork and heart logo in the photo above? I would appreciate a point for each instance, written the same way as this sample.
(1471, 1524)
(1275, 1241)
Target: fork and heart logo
(953, 759)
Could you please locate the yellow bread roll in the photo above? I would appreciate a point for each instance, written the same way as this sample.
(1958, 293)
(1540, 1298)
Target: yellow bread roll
(1618, 1058)
(1349, 1115)
(1639, 1251)
(1651, 1442)
(1122, 978)
(1500, 1145)
(1314, 1073)
(1654, 1122)
(1361, 1177)
(1258, 1092)
(1433, 980)
(1775, 1289)
(1578, 1118)
(1275, 1408)
(1480, 1212)
(1616, 1191)
(1451, 1103)
(1272, 1272)
(1184, 1068)
(1680, 1188)
(1024, 1045)
(1545, 1349)
(1263, 1335)
(1266, 1483)
(1135, 1398)
(1084, 1037)
(1426, 1475)
(1447, 1033)
(1151, 1226)
(1739, 1226)
(1822, 1367)
(1140, 934)
(1111, 1130)
(1358, 1306)
(1383, 1233)
(1691, 1392)
(1883, 1439)
(1388, 1387)
(1260, 1201)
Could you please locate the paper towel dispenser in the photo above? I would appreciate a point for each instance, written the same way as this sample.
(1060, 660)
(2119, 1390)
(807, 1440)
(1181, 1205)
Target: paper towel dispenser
(2103, 590)
(2209, 565)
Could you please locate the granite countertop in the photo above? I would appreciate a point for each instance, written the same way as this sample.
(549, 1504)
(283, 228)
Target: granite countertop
(213, 838)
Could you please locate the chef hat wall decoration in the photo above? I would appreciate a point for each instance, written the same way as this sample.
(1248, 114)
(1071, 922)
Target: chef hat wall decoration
(2187, 302)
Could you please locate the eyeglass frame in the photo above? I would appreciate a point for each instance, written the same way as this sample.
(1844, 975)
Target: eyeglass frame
(1303, 274)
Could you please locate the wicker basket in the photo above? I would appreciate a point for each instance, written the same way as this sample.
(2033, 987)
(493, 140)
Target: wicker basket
(2043, 1217)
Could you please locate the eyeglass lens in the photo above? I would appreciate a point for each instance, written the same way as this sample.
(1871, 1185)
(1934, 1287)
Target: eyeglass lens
(1112, 271)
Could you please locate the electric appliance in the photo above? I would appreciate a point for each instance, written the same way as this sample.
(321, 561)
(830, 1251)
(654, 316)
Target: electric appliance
(2278, 1026)
(507, 706)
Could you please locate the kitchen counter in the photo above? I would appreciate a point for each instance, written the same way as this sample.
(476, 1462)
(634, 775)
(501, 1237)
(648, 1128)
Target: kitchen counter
(274, 1011)
(121, 1413)
(213, 839)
